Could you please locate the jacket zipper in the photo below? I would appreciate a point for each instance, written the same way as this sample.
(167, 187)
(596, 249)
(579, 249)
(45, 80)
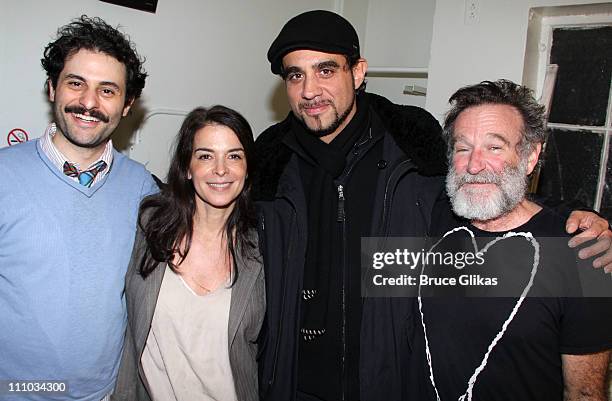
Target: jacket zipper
(341, 218)
(341, 215)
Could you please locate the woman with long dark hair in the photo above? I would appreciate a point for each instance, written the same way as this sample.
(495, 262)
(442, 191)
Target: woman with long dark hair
(195, 287)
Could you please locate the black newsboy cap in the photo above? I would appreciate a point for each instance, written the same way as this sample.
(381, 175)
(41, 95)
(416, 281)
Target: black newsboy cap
(314, 30)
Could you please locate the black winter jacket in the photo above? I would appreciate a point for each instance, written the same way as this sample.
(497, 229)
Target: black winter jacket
(415, 157)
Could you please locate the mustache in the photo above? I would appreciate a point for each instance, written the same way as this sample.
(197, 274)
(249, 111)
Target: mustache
(82, 110)
(315, 104)
(484, 177)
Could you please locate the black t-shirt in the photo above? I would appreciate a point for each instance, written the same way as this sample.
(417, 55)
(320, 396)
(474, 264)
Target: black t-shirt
(504, 348)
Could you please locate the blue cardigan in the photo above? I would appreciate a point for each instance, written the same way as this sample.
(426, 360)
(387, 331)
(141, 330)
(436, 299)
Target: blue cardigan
(64, 250)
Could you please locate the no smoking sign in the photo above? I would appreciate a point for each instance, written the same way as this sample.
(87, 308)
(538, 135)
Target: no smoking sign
(16, 136)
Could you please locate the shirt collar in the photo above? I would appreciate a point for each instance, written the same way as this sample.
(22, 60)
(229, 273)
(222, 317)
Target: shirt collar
(58, 159)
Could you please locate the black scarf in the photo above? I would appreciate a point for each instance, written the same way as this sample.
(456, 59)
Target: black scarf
(326, 162)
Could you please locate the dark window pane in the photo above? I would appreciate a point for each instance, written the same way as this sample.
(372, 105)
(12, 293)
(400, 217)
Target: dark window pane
(581, 92)
(606, 202)
(571, 166)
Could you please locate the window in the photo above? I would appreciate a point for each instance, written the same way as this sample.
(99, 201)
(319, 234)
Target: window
(577, 164)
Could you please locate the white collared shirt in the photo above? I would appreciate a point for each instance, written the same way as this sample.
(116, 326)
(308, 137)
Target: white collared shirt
(58, 159)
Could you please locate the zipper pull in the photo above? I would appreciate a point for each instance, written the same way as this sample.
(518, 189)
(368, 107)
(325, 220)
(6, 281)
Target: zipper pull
(340, 204)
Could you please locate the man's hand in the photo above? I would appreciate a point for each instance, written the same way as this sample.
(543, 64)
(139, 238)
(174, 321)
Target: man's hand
(594, 227)
(584, 376)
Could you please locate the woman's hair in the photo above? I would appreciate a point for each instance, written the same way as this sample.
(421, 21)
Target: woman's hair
(169, 226)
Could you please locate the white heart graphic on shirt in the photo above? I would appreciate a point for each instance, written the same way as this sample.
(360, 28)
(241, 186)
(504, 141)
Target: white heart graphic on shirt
(467, 396)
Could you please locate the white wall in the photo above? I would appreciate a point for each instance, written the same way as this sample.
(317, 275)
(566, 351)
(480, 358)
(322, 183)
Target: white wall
(394, 33)
(198, 53)
(493, 48)
(203, 52)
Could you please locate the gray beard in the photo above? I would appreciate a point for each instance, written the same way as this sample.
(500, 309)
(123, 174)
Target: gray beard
(487, 205)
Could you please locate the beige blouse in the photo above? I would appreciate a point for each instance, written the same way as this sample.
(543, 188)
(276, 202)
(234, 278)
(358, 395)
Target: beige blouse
(186, 356)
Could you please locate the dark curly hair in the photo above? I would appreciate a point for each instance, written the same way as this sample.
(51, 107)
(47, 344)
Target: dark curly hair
(499, 92)
(172, 210)
(96, 35)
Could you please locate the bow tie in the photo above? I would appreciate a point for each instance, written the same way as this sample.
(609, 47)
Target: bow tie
(85, 177)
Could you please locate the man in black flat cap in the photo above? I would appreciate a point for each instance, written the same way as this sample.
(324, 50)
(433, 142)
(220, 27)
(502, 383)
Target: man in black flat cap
(331, 173)
(341, 166)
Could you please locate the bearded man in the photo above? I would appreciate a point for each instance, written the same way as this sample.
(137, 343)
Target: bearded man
(519, 329)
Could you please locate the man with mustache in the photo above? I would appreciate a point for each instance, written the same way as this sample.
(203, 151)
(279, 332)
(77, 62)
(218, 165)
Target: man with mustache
(66, 239)
(502, 336)
(343, 165)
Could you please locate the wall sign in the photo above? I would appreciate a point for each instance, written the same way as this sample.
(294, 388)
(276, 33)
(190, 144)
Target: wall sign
(16, 136)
